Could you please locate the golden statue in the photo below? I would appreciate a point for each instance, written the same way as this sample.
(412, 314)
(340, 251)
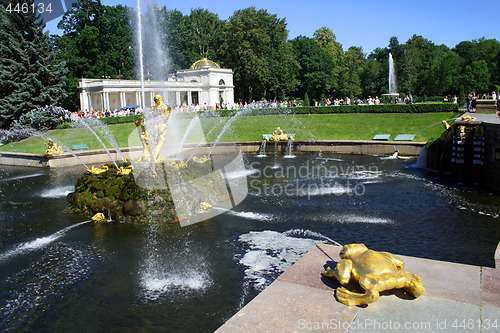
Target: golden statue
(97, 171)
(201, 160)
(53, 149)
(468, 118)
(178, 165)
(161, 111)
(461, 132)
(99, 217)
(205, 207)
(374, 271)
(124, 171)
(278, 135)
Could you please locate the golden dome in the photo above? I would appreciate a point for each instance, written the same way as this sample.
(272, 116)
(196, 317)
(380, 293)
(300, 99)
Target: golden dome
(204, 63)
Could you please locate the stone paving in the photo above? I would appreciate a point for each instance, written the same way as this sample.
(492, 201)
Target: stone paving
(457, 298)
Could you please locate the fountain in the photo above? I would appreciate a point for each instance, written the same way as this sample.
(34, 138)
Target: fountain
(393, 89)
(154, 275)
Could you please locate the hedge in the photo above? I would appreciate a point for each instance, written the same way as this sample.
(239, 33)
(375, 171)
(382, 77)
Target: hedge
(382, 108)
(120, 120)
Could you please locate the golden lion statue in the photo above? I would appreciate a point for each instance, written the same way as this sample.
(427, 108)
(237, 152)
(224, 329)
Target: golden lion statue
(374, 271)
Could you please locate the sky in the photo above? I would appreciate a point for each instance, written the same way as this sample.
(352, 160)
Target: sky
(366, 23)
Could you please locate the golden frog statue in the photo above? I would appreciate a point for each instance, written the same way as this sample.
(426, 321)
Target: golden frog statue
(97, 171)
(374, 271)
(201, 160)
(99, 217)
(178, 165)
(124, 171)
(205, 207)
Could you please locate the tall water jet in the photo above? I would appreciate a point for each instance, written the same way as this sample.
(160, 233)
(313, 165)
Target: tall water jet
(393, 88)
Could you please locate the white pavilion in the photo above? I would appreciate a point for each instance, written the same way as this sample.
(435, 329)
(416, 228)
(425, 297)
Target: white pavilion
(204, 84)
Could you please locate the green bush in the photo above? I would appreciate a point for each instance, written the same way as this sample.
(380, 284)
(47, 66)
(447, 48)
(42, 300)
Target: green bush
(382, 108)
(120, 120)
(64, 125)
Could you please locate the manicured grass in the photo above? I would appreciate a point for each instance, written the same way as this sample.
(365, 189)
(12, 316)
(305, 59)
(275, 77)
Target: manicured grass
(358, 126)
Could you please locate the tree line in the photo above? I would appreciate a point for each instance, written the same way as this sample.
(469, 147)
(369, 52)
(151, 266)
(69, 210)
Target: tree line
(98, 41)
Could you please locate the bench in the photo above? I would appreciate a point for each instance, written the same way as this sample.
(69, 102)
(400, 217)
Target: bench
(381, 137)
(404, 137)
(80, 147)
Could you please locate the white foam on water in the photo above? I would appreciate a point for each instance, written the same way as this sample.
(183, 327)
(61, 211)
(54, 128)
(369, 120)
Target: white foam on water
(261, 155)
(330, 159)
(37, 243)
(44, 282)
(252, 215)
(363, 219)
(155, 283)
(58, 192)
(22, 177)
(289, 156)
(364, 174)
(315, 190)
(270, 253)
(241, 174)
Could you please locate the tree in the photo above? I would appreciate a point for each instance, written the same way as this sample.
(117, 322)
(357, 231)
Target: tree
(255, 46)
(178, 36)
(315, 68)
(328, 42)
(30, 75)
(207, 32)
(351, 76)
(97, 41)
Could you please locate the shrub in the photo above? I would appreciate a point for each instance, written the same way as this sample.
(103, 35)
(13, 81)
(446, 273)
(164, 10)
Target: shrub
(120, 120)
(64, 125)
(382, 108)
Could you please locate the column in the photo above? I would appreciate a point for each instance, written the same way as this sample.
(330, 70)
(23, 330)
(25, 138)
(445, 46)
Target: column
(152, 97)
(107, 101)
(190, 98)
(178, 98)
(138, 99)
(83, 99)
(122, 99)
(103, 100)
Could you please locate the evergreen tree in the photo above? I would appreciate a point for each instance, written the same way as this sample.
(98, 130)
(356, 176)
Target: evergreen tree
(30, 75)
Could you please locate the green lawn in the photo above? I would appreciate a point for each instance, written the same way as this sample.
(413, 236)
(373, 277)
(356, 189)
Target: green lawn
(357, 126)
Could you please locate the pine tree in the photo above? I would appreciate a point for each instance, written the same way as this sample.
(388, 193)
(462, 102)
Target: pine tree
(30, 75)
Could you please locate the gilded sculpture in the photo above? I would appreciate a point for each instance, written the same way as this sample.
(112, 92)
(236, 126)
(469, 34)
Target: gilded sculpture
(279, 135)
(94, 170)
(53, 149)
(374, 271)
(154, 129)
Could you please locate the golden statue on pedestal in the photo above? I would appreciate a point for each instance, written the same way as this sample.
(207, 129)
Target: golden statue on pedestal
(53, 149)
(279, 135)
(157, 129)
(374, 271)
(94, 170)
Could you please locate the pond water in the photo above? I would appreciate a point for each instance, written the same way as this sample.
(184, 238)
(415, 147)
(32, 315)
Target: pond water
(58, 272)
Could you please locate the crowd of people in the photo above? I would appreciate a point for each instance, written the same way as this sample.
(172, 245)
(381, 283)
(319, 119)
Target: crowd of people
(408, 99)
(473, 97)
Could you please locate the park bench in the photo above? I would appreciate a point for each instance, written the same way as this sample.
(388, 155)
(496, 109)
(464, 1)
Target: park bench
(80, 147)
(404, 137)
(382, 137)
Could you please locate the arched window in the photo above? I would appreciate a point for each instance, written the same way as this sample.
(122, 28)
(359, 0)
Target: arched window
(222, 83)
